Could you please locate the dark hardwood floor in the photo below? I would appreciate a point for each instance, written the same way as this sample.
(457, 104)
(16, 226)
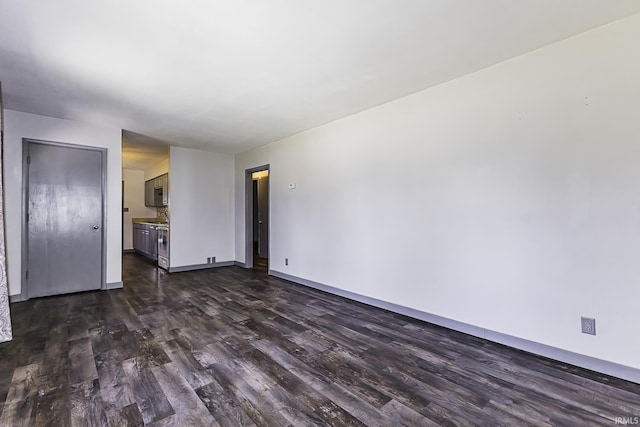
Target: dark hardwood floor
(232, 347)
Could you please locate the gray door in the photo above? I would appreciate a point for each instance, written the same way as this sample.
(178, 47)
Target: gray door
(64, 219)
(263, 217)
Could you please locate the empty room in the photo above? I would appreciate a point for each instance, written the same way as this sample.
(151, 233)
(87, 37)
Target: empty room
(288, 213)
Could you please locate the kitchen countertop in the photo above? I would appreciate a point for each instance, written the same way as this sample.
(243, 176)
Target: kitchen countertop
(149, 221)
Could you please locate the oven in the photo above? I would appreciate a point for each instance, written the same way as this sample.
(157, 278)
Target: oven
(163, 246)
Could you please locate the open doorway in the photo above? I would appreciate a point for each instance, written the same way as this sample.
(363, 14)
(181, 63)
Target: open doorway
(257, 218)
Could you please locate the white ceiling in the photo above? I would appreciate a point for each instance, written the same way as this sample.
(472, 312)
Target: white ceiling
(228, 76)
(141, 152)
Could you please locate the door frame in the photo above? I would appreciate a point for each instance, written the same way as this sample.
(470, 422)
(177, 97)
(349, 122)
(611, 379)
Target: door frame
(248, 216)
(24, 294)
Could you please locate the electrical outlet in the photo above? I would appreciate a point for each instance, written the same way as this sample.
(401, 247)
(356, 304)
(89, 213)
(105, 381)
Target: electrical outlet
(286, 261)
(208, 260)
(588, 325)
(213, 260)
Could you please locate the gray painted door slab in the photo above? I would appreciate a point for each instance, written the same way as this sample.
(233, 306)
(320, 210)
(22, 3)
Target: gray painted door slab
(263, 217)
(64, 226)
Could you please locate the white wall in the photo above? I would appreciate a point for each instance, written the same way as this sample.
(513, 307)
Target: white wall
(201, 207)
(507, 199)
(134, 200)
(22, 125)
(156, 170)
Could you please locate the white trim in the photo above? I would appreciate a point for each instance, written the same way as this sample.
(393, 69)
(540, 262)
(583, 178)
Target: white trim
(16, 298)
(200, 266)
(114, 285)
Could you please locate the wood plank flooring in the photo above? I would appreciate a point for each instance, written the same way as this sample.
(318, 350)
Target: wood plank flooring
(234, 347)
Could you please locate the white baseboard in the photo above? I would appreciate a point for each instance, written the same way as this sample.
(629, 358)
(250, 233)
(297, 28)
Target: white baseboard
(200, 266)
(16, 298)
(107, 287)
(114, 285)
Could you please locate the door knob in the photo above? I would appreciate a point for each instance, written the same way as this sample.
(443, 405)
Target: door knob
(95, 227)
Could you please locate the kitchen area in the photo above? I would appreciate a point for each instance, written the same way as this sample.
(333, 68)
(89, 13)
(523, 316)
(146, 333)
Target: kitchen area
(178, 205)
(145, 199)
(151, 235)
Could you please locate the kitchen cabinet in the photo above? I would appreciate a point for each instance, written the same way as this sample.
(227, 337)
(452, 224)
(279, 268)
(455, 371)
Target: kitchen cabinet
(145, 240)
(140, 238)
(156, 191)
(148, 193)
(152, 244)
(136, 237)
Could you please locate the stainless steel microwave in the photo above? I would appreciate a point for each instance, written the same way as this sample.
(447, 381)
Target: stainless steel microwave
(160, 197)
